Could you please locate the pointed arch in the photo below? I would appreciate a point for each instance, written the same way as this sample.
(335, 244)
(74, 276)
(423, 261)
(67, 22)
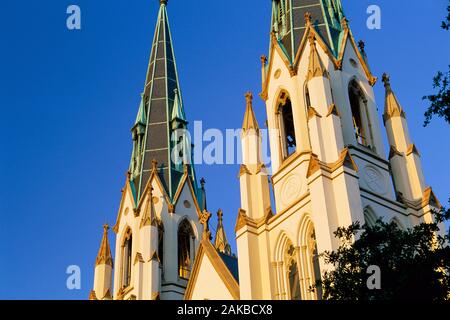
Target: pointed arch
(370, 217)
(309, 257)
(362, 125)
(186, 245)
(285, 124)
(397, 222)
(126, 252)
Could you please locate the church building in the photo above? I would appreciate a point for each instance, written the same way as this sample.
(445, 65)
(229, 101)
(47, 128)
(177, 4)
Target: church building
(329, 168)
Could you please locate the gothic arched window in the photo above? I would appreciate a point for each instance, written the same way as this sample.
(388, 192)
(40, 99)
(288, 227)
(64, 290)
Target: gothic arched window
(370, 217)
(127, 249)
(314, 256)
(286, 126)
(185, 247)
(293, 274)
(360, 119)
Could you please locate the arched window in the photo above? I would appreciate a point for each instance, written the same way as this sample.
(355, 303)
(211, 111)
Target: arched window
(370, 217)
(185, 249)
(127, 249)
(360, 119)
(397, 223)
(314, 256)
(293, 274)
(161, 245)
(286, 124)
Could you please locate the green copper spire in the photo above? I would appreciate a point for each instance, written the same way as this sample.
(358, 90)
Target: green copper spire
(288, 22)
(161, 101)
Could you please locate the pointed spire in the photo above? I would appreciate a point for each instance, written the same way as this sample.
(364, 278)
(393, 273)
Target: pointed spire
(221, 242)
(163, 111)
(104, 254)
(177, 111)
(250, 121)
(316, 67)
(149, 217)
(392, 107)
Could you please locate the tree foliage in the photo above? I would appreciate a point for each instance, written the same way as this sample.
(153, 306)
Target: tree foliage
(440, 101)
(446, 22)
(414, 263)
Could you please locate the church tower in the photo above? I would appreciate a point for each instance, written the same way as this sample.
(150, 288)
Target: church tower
(328, 161)
(158, 228)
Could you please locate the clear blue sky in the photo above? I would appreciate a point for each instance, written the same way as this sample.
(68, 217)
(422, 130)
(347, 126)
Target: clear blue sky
(68, 100)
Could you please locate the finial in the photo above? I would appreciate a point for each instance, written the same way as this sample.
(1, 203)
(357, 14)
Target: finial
(344, 23)
(361, 45)
(308, 18)
(204, 220)
(386, 80)
(263, 60)
(202, 183)
(220, 215)
(163, 2)
(154, 164)
(249, 98)
(105, 228)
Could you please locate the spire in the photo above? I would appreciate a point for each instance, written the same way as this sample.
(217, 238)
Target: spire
(392, 107)
(326, 16)
(178, 116)
(221, 242)
(316, 67)
(161, 103)
(104, 254)
(250, 121)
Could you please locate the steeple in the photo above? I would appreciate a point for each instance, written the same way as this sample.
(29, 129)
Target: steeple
(161, 112)
(104, 254)
(221, 242)
(287, 22)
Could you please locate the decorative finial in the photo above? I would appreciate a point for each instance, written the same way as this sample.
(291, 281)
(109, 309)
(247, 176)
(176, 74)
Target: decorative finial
(308, 18)
(154, 164)
(202, 183)
(386, 80)
(361, 45)
(105, 228)
(220, 215)
(163, 2)
(263, 60)
(249, 98)
(204, 220)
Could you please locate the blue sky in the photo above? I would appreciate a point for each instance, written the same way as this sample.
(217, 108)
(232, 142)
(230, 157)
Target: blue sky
(68, 100)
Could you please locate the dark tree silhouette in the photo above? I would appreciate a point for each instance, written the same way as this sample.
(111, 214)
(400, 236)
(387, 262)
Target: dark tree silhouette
(440, 101)
(414, 264)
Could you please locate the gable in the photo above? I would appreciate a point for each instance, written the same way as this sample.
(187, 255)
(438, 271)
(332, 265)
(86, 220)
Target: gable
(212, 278)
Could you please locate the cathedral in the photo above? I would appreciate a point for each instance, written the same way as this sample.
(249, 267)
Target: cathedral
(329, 169)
